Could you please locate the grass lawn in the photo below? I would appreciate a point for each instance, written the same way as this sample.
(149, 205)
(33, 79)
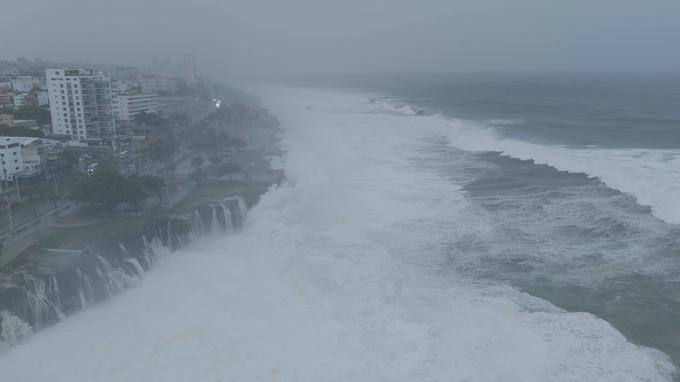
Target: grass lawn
(81, 237)
(124, 227)
(211, 191)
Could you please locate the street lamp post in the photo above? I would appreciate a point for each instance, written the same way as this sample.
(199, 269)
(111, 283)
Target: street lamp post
(16, 182)
(9, 211)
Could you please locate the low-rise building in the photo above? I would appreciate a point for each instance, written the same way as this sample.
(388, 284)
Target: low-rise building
(23, 156)
(24, 84)
(5, 99)
(127, 107)
(124, 86)
(24, 99)
(168, 85)
(7, 119)
(159, 85)
(43, 99)
(149, 85)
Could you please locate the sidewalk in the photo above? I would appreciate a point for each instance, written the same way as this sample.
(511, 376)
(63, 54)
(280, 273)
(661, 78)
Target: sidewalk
(26, 212)
(31, 230)
(28, 233)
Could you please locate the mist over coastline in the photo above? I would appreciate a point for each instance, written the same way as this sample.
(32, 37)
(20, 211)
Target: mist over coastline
(346, 263)
(358, 190)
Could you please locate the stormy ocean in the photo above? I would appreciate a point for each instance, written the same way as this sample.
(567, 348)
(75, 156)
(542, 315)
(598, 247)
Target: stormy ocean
(438, 228)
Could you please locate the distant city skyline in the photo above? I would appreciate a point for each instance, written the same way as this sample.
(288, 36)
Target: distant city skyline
(241, 37)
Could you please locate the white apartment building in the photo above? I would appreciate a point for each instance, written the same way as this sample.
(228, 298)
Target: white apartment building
(23, 156)
(24, 84)
(81, 103)
(127, 107)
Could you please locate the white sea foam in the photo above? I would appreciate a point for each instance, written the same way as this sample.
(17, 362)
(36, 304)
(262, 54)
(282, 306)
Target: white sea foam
(652, 176)
(276, 162)
(378, 102)
(337, 276)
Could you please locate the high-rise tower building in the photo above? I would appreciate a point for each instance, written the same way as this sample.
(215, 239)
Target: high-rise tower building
(190, 70)
(81, 103)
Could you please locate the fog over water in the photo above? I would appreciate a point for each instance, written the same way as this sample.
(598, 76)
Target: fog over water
(240, 38)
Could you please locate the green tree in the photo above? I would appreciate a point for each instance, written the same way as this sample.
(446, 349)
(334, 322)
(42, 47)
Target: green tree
(178, 118)
(106, 190)
(69, 158)
(197, 162)
(133, 191)
(161, 151)
(171, 168)
(215, 160)
(197, 176)
(42, 116)
(230, 169)
(153, 185)
(12, 131)
(237, 142)
(150, 119)
(102, 190)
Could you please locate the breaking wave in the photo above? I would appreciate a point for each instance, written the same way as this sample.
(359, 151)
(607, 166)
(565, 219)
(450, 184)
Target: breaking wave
(652, 176)
(339, 274)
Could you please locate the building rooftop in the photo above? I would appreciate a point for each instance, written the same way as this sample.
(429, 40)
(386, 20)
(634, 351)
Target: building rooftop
(4, 140)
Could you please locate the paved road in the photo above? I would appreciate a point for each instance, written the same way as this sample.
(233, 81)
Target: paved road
(26, 212)
(32, 229)
(28, 233)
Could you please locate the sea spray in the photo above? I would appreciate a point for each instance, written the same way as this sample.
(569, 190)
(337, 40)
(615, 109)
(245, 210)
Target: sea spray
(32, 295)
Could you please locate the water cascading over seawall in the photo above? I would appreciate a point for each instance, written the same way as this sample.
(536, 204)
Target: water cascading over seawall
(45, 288)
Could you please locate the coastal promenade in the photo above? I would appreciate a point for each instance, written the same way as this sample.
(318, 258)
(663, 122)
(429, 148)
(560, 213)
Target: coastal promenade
(29, 232)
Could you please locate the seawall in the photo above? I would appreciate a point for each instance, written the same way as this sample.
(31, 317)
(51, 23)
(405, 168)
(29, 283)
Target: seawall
(48, 286)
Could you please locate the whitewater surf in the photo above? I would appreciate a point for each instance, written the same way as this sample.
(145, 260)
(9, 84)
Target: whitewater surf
(344, 272)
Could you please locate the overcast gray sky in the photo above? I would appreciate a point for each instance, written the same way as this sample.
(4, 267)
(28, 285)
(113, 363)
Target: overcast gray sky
(255, 36)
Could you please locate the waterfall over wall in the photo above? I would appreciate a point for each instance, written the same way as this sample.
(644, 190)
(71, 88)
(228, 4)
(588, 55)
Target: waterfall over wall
(48, 287)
